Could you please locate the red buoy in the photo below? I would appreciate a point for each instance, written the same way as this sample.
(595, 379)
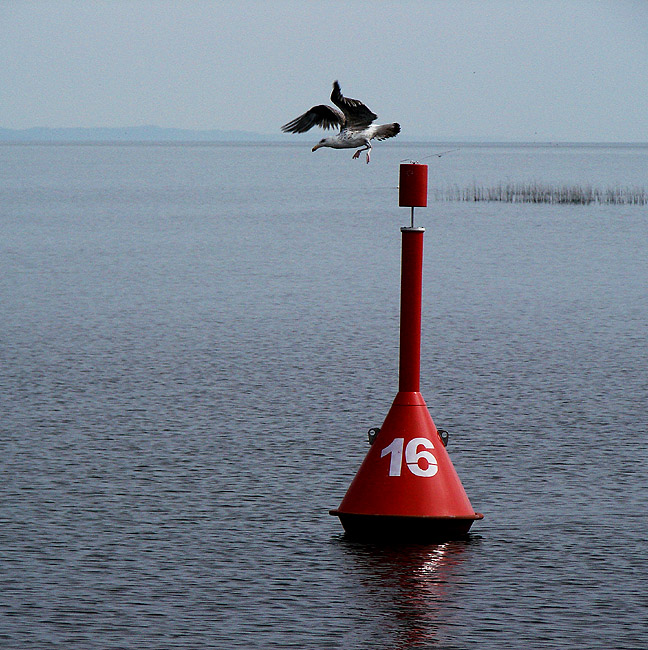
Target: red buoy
(407, 487)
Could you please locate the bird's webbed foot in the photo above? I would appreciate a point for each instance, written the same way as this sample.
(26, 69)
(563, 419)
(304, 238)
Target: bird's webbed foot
(356, 154)
(368, 156)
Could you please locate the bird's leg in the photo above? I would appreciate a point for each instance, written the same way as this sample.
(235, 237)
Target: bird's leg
(366, 148)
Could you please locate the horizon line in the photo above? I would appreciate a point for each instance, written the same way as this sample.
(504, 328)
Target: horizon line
(242, 136)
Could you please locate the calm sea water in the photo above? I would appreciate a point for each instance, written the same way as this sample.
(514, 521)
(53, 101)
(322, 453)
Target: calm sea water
(195, 339)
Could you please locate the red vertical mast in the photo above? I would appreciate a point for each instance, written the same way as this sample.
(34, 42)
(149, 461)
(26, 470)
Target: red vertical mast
(409, 371)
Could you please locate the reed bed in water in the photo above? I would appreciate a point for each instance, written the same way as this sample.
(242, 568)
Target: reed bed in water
(541, 193)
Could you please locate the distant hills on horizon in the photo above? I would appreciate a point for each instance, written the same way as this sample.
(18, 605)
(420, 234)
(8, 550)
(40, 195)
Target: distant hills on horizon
(153, 133)
(128, 134)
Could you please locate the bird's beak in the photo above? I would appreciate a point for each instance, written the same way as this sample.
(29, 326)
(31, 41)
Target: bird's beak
(316, 147)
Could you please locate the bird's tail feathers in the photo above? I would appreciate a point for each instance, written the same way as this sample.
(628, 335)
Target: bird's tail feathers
(385, 131)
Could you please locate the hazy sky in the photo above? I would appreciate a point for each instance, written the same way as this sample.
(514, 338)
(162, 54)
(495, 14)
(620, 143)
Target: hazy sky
(519, 70)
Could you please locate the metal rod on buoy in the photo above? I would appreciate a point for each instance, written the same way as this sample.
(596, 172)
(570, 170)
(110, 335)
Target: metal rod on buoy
(407, 488)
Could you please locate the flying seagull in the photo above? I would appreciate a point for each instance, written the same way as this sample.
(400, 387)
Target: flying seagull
(353, 118)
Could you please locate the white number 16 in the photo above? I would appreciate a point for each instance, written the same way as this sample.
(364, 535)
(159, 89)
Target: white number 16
(412, 457)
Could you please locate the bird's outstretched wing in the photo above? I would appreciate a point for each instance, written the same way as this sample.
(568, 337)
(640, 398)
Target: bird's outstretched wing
(356, 113)
(385, 131)
(325, 116)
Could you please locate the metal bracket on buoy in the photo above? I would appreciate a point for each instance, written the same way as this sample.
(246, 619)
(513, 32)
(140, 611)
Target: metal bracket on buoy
(372, 434)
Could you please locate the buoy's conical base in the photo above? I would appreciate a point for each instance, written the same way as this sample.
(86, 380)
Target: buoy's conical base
(406, 488)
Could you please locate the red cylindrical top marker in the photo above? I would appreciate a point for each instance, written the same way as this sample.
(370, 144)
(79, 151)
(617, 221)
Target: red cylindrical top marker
(412, 185)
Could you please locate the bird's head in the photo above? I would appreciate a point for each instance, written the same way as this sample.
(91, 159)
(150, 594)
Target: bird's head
(319, 145)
